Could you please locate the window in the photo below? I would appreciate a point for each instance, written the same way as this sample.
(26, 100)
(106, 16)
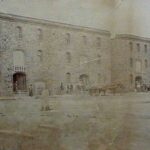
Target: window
(146, 63)
(19, 32)
(98, 42)
(40, 55)
(68, 77)
(131, 62)
(0, 27)
(138, 66)
(68, 38)
(99, 78)
(0, 73)
(4, 42)
(40, 34)
(84, 39)
(131, 46)
(84, 79)
(131, 79)
(18, 58)
(138, 47)
(145, 48)
(68, 57)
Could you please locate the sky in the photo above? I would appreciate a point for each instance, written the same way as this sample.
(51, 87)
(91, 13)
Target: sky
(90, 13)
(129, 16)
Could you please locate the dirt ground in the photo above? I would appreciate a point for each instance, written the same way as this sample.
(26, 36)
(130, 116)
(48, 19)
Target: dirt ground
(120, 122)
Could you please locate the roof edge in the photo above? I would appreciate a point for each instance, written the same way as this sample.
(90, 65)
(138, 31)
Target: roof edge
(132, 37)
(13, 18)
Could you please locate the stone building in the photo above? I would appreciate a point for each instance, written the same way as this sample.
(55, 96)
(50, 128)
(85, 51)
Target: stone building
(45, 53)
(130, 60)
(62, 56)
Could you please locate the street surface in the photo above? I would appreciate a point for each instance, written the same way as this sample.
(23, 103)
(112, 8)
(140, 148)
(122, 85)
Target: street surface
(120, 122)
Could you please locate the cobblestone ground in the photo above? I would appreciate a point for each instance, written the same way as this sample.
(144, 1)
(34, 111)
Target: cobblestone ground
(120, 122)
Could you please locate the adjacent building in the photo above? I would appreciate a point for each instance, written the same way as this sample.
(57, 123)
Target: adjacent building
(130, 60)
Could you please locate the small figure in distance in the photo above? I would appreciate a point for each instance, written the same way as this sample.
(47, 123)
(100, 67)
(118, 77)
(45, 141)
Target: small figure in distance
(31, 90)
(45, 100)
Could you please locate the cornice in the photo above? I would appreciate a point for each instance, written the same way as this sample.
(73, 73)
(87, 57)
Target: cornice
(132, 37)
(34, 21)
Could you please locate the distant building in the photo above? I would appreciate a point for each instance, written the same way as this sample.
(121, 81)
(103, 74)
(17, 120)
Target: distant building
(130, 60)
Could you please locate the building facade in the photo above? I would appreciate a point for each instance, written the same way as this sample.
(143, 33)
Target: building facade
(64, 57)
(44, 53)
(130, 61)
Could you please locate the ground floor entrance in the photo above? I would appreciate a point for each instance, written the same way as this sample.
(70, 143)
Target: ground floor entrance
(138, 83)
(19, 81)
(84, 81)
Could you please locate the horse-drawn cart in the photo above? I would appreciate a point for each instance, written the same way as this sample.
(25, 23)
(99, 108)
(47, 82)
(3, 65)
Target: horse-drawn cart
(112, 88)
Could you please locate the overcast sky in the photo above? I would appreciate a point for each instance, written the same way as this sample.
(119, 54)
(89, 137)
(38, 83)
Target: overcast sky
(92, 13)
(130, 16)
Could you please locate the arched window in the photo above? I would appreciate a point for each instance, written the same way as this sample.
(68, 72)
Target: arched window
(40, 55)
(145, 48)
(131, 62)
(0, 28)
(98, 42)
(18, 60)
(84, 39)
(68, 77)
(84, 79)
(99, 78)
(138, 47)
(40, 34)
(0, 72)
(68, 38)
(131, 79)
(138, 66)
(19, 32)
(131, 46)
(68, 57)
(146, 63)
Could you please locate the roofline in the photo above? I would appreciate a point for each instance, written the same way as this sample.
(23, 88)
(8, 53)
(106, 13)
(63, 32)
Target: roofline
(132, 37)
(35, 21)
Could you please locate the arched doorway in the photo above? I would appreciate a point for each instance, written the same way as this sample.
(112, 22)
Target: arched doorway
(138, 82)
(19, 81)
(138, 79)
(84, 80)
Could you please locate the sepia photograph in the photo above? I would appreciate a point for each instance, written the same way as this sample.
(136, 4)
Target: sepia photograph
(74, 75)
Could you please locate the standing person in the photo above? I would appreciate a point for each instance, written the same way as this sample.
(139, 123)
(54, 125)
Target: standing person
(138, 87)
(44, 100)
(61, 88)
(31, 90)
(71, 88)
(67, 88)
(16, 86)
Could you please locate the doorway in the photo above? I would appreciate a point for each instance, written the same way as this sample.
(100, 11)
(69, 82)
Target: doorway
(19, 81)
(138, 79)
(138, 82)
(84, 80)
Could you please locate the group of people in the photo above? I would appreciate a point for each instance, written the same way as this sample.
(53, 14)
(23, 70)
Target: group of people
(142, 87)
(44, 98)
(68, 89)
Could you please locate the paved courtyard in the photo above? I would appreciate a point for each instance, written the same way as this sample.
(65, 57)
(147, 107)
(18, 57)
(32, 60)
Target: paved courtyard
(120, 122)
